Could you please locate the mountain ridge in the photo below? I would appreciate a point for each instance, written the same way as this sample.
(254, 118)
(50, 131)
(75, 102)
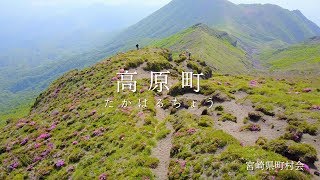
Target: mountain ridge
(302, 58)
(177, 16)
(217, 49)
(225, 16)
(71, 131)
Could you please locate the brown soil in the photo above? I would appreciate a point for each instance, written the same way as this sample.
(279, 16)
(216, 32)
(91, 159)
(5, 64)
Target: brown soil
(162, 150)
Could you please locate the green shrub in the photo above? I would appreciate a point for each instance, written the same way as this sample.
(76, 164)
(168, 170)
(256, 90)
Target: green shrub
(152, 162)
(205, 121)
(251, 127)
(266, 109)
(157, 65)
(220, 96)
(25, 160)
(254, 116)
(261, 141)
(182, 57)
(133, 63)
(194, 66)
(177, 89)
(162, 134)
(207, 72)
(177, 172)
(149, 162)
(219, 108)
(166, 103)
(140, 173)
(76, 155)
(278, 146)
(302, 152)
(245, 120)
(228, 117)
(311, 129)
(202, 63)
(139, 146)
(2, 149)
(292, 150)
(291, 175)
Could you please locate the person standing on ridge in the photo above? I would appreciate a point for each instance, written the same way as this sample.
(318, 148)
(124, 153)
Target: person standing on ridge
(137, 46)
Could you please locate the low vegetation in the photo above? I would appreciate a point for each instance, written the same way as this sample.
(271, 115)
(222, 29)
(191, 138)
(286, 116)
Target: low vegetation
(71, 133)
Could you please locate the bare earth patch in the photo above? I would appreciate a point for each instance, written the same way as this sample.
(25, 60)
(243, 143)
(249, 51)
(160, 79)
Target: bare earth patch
(162, 150)
(247, 137)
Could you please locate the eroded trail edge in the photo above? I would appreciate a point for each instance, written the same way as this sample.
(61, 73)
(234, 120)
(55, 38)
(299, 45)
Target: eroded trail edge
(162, 150)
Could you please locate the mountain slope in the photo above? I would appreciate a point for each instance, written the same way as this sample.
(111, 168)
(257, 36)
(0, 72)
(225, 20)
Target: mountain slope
(301, 58)
(269, 23)
(20, 85)
(216, 48)
(71, 131)
(41, 41)
(254, 25)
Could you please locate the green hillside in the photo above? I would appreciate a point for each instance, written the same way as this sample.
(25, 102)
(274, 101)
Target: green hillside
(303, 58)
(216, 48)
(71, 131)
(255, 25)
(20, 85)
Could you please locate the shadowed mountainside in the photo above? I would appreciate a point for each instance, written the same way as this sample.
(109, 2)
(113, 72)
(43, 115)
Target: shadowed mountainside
(255, 25)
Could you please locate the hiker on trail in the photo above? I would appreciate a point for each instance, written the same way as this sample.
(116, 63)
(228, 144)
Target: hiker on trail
(189, 54)
(170, 57)
(137, 46)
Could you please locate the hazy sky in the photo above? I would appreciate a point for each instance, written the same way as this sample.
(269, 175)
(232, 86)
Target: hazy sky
(310, 8)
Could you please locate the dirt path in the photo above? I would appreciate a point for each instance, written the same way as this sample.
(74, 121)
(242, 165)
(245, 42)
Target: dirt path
(256, 63)
(241, 111)
(162, 150)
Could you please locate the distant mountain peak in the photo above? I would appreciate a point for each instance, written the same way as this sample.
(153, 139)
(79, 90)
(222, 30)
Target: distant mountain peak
(201, 26)
(254, 25)
(314, 40)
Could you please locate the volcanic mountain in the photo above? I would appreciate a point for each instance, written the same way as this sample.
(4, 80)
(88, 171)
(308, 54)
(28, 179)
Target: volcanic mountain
(255, 25)
(81, 127)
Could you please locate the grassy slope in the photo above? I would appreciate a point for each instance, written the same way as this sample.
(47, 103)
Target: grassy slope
(304, 58)
(15, 113)
(110, 140)
(19, 86)
(250, 23)
(213, 47)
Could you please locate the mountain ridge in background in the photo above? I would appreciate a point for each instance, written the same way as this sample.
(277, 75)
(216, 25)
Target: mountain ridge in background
(302, 58)
(81, 127)
(245, 22)
(253, 24)
(217, 49)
